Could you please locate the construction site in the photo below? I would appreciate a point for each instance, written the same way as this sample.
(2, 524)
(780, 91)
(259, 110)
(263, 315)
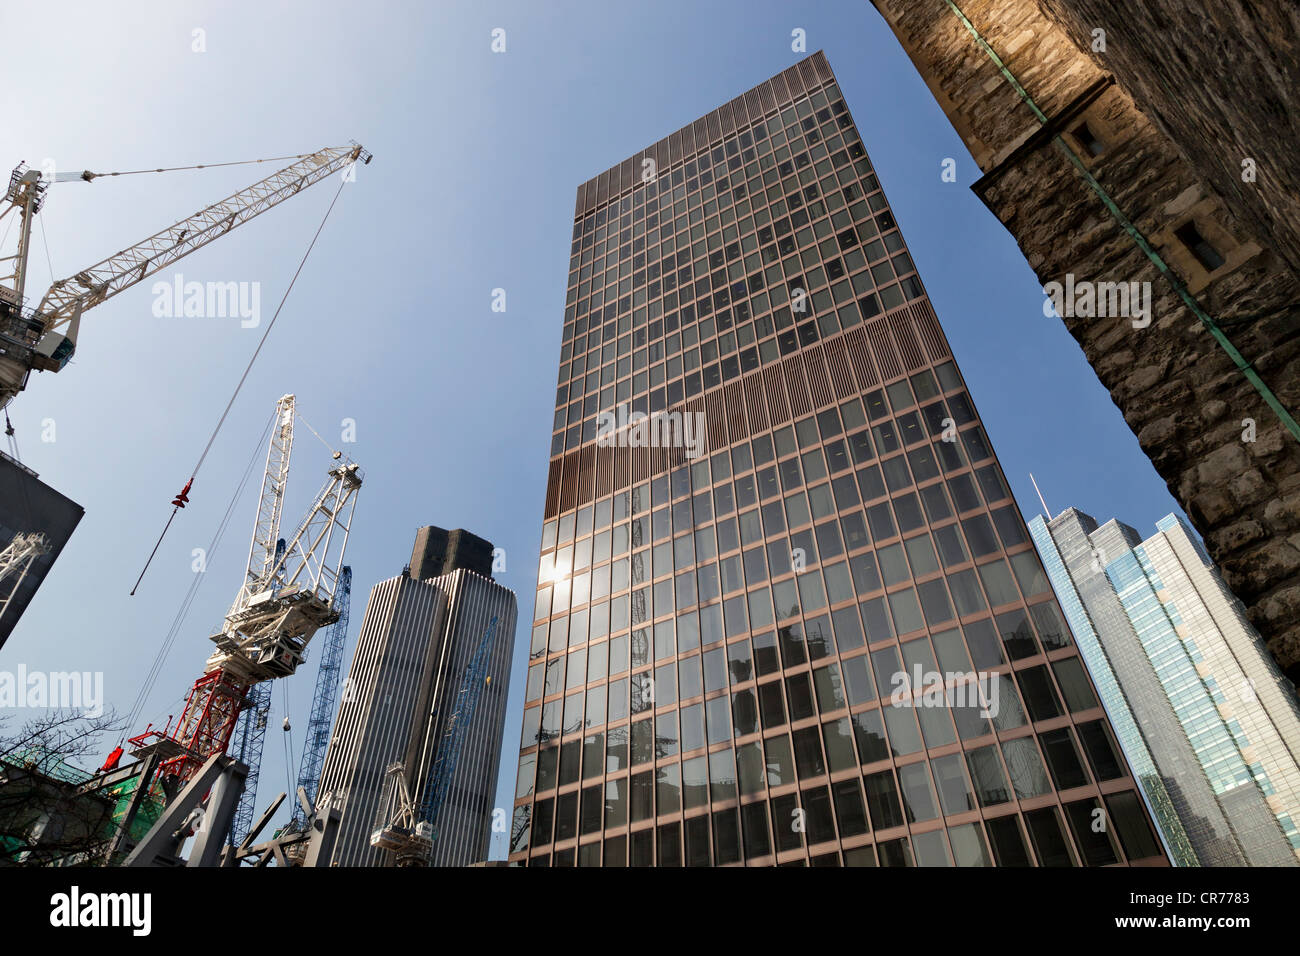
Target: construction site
(185, 793)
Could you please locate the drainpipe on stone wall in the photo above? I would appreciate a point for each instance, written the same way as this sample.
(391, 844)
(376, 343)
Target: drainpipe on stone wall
(1247, 369)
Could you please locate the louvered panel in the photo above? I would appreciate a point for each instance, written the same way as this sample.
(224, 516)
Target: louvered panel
(716, 415)
(622, 467)
(737, 425)
(726, 119)
(841, 375)
(860, 357)
(569, 487)
(587, 474)
(882, 347)
(553, 476)
(767, 98)
(754, 106)
(931, 332)
(714, 126)
(700, 130)
(818, 381)
(691, 410)
(604, 471)
(755, 401)
(796, 386)
(676, 457)
(780, 92)
(640, 464)
(740, 110)
(807, 74)
(662, 156)
(658, 460)
(900, 323)
(778, 407)
(822, 67)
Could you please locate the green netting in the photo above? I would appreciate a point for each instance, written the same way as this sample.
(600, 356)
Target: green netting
(151, 807)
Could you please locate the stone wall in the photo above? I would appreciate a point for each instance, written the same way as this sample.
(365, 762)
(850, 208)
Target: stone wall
(1222, 81)
(1190, 407)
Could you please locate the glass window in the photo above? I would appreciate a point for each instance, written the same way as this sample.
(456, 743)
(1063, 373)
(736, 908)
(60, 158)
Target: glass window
(955, 794)
(968, 845)
(1049, 840)
(1008, 842)
(695, 782)
(987, 775)
(1093, 842)
(1063, 759)
(918, 798)
(882, 800)
(1028, 778)
(1074, 683)
(780, 760)
(1131, 826)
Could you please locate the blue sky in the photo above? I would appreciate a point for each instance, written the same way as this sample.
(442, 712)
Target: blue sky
(477, 160)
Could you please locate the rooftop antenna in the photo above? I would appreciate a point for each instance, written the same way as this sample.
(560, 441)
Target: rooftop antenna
(1041, 501)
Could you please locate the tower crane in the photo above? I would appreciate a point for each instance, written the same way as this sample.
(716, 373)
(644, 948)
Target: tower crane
(325, 699)
(411, 841)
(288, 592)
(45, 337)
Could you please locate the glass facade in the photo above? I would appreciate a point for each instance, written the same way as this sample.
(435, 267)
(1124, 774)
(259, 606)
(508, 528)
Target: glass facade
(1202, 712)
(823, 638)
(1164, 813)
(1221, 744)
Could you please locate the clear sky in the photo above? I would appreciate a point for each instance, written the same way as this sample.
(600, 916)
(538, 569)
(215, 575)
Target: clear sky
(478, 156)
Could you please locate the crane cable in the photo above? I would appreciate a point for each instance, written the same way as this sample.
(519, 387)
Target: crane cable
(182, 612)
(288, 740)
(333, 451)
(88, 176)
(182, 498)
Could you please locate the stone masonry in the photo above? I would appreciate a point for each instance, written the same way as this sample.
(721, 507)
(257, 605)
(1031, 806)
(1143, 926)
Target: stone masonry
(1154, 118)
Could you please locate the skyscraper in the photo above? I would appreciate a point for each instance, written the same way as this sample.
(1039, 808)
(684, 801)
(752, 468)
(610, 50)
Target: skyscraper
(416, 640)
(28, 507)
(793, 617)
(1205, 716)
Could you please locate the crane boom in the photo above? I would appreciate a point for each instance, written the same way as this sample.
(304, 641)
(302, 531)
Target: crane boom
(45, 338)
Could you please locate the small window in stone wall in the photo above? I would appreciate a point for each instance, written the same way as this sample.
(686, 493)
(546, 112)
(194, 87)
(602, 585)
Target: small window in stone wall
(1209, 257)
(1088, 139)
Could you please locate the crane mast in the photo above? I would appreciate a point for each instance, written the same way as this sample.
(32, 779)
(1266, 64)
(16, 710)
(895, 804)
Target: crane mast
(44, 338)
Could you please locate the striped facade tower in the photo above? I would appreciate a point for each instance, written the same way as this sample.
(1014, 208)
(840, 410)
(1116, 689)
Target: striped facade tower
(415, 642)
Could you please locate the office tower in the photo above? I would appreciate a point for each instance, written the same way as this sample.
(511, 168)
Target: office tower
(1207, 720)
(1121, 153)
(796, 618)
(28, 507)
(416, 640)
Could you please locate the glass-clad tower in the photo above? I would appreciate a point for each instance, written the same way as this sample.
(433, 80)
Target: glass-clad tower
(793, 617)
(1209, 724)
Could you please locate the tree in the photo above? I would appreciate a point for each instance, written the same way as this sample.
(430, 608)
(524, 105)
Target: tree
(45, 819)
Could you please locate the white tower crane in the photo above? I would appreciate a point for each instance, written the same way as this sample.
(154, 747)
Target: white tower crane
(44, 338)
(286, 596)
